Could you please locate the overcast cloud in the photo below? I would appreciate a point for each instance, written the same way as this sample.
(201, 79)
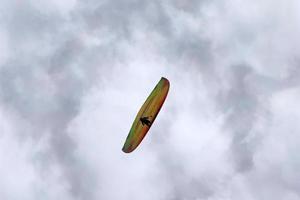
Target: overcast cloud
(74, 73)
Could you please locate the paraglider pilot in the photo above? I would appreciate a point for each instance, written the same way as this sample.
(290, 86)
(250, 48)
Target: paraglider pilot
(145, 120)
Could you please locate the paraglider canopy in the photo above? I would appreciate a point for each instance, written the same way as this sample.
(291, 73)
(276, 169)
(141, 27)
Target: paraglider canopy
(146, 115)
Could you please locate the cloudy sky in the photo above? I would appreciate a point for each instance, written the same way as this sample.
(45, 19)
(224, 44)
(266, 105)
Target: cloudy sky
(74, 73)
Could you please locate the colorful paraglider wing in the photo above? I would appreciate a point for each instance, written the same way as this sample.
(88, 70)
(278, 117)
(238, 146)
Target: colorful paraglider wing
(146, 115)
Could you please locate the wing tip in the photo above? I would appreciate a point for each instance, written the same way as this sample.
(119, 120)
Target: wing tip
(166, 80)
(127, 150)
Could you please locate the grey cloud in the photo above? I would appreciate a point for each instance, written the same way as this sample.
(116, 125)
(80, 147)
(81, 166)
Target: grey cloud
(242, 107)
(45, 90)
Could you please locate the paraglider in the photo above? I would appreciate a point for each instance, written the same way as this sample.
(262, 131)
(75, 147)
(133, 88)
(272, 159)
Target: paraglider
(146, 115)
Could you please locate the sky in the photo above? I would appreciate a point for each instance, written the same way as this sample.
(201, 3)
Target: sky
(74, 73)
